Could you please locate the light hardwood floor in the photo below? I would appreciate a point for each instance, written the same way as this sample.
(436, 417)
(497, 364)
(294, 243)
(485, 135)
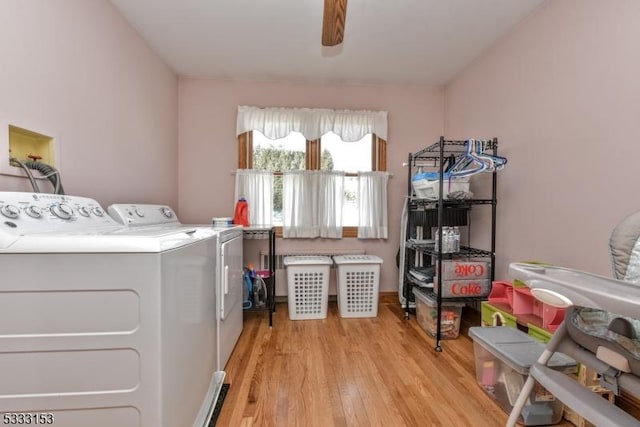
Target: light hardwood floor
(380, 371)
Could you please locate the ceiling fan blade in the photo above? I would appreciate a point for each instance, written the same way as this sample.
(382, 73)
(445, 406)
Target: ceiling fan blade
(335, 14)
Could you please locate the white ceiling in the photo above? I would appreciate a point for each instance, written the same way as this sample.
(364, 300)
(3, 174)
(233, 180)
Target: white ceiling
(415, 42)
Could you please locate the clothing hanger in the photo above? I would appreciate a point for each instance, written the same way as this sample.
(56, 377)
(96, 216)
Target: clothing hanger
(468, 163)
(448, 163)
(479, 153)
(497, 162)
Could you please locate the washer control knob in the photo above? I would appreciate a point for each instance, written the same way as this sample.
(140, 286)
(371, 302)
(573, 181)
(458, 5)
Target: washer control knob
(167, 212)
(10, 211)
(34, 211)
(139, 212)
(97, 211)
(62, 211)
(83, 211)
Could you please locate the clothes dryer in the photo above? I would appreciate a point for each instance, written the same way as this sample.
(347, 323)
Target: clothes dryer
(102, 325)
(229, 273)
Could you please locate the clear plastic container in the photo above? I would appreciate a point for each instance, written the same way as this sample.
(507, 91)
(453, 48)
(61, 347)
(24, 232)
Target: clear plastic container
(427, 315)
(503, 357)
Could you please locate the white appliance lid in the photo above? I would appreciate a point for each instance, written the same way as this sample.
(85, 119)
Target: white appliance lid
(121, 240)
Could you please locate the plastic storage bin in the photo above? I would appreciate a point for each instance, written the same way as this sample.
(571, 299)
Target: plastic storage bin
(503, 357)
(427, 315)
(427, 185)
(308, 286)
(358, 284)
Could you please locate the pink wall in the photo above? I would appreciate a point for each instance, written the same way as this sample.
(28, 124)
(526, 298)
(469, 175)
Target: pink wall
(562, 94)
(76, 69)
(208, 145)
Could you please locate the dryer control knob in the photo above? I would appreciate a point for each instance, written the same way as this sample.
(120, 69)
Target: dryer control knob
(167, 212)
(62, 211)
(10, 211)
(97, 211)
(34, 212)
(83, 211)
(139, 212)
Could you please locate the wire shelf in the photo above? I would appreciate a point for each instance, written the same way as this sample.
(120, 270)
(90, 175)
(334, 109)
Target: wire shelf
(417, 202)
(465, 251)
(454, 147)
(438, 213)
(434, 296)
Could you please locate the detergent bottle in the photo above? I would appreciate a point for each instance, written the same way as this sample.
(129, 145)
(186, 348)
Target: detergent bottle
(241, 214)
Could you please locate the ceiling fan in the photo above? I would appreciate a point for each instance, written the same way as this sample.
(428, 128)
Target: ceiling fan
(335, 14)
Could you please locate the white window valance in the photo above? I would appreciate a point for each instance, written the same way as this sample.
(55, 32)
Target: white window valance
(277, 123)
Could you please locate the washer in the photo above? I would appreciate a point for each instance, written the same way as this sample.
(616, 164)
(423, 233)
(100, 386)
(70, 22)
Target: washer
(102, 325)
(229, 274)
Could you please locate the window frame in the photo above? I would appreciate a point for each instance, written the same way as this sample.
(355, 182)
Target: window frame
(313, 153)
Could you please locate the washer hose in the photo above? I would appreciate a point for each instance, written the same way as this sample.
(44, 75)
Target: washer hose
(32, 180)
(49, 172)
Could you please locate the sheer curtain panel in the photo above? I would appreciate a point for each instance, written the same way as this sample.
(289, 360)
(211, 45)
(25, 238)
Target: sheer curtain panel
(257, 188)
(372, 205)
(312, 204)
(330, 200)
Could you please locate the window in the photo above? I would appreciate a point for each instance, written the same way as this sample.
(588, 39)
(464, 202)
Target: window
(351, 157)
(329, 152)
(295, 141)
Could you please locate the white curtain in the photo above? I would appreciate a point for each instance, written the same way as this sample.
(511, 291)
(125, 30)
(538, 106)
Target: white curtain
(372, 205)
(312, 204)
(277, 123)
(257, 188)
(330, 200)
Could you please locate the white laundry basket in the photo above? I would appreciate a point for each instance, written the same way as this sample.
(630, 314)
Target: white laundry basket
(358, 283)
(308, 286)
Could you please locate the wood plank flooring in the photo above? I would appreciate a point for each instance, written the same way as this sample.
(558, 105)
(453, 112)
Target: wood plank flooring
(380, 371)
